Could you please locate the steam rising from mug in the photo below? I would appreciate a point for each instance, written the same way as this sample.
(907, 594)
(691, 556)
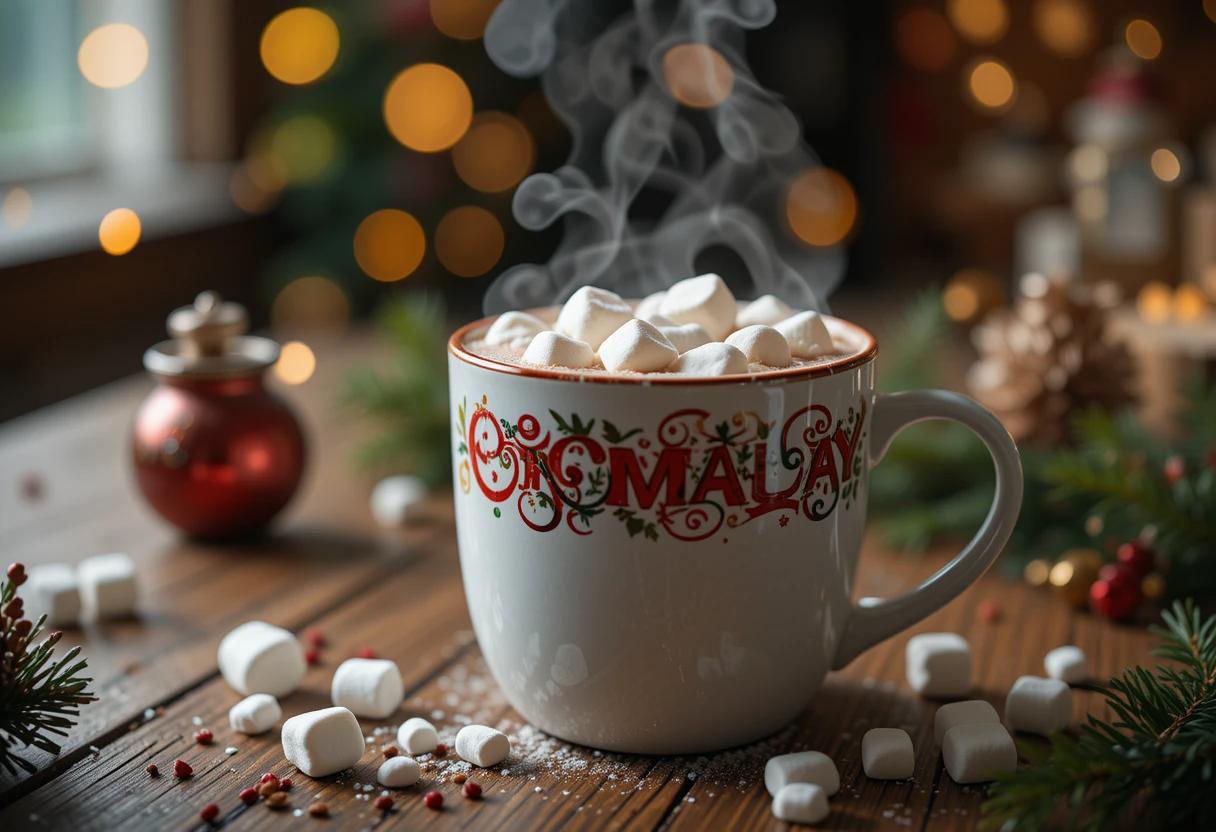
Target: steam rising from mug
(724, 165)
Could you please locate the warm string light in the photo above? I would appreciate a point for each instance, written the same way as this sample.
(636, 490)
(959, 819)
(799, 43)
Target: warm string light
(389, 245)
(979, 21)
(469, 241)
(1066, 26)
(991, 84)
(970, 294)
(462, 19)
(312, 304)
(428, 108)
(1143, 39)
(304, 147)
(16, 207)
(113, 55)
(1158, 303)
(119, 231)
(296, 363)
(1190, 304)
(1165, 164)
(820, 207)
(495, 154)
(299, 45)
(924, 39)
(697, 75)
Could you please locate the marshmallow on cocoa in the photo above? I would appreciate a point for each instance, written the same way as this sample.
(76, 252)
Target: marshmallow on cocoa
(685, 337)
(768, 310)
(703, 300)
(806, 334)
(638, 346)
(712, 359)
(552, 349)
(591, 315)
(514, 329)
(762, 345)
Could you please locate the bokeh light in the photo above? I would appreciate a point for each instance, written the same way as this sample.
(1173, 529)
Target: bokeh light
(1155, 302)
(389, 245)
(428, 108)
(925, 40)
(113, 55)
(16, 207)
(970, 294)
(1165, 164)
(462, 19)
(247, 192)
(821, 207)
(979, 21)
(991, 84)
(304, 147)
(119, 231)
(312, 304)
(1088, 163)
(300, 45)
(495, 154)
(296, 363)
(469, 241)
(697, 75)
(1209, 8)
(1143, 39)
(1190, 303)
(1066, 26)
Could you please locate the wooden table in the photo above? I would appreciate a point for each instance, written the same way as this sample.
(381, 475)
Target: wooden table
(400, 594)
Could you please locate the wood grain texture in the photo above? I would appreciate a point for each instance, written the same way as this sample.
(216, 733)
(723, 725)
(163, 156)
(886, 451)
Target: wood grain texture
(399, 593)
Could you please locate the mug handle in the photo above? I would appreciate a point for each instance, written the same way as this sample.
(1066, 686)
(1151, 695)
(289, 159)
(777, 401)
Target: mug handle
(874, 619)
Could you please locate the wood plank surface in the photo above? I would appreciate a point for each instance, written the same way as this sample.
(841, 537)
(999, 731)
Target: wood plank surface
(399, 593)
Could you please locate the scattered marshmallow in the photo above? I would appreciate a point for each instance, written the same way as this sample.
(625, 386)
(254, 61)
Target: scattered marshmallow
(768, 310)
(397, 500)
(398, 772)
(969, 712)
(976, 753)
(1068, 664)
(368, 687)
(939, 665)
(801, 803)
(762, 345)
(807, 335)
(514, 329)
(552, 349)
(255, 714)
(108, 588)
(417, 736)
(648, 307)
(51, 589)
(801, 767)
(658, 320)
(703, 300)
(886, 754)
(712, 359)
(323, 742)
(482, 746)
(1038, 706)
(637, 346)
(591, 315)
(685, 337)
(257, 657)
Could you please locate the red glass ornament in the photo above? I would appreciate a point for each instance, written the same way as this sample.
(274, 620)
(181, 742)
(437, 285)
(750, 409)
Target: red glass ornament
(1116, 593)
(1174, 469)
(1136, 555)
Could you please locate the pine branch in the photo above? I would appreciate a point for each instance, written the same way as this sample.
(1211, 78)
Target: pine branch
(1152, 765)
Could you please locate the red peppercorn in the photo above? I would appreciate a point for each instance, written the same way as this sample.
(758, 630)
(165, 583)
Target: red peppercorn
(366, 653)
(153, 770)
(315, 637)
(285, 784)
(182, 769)
(383, 802)
(249, 796)
(472, 790)
(210, 812)
(313, 656)
(1136, 555)
(441, 750)
(203, 736)
(433, 800)
(269, 778)
(390, 751)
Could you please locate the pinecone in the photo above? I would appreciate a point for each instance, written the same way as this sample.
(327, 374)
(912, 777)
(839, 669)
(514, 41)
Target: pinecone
(1050, 357)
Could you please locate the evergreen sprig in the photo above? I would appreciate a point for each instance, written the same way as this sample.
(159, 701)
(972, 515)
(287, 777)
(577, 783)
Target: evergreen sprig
(39, 698)
(1153, 766)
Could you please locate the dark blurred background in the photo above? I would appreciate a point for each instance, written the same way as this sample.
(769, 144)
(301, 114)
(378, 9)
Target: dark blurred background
(152, 149)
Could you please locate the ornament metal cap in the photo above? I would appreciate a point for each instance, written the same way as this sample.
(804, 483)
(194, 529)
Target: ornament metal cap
(209, 340)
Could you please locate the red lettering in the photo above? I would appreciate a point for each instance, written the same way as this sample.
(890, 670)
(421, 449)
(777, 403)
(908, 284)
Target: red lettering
(727, 482)
(823, 464)
(669, 471)
(765, 500)
(847, 445)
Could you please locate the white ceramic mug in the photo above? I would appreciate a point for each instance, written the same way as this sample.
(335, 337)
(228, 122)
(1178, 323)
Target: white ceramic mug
(665, 566)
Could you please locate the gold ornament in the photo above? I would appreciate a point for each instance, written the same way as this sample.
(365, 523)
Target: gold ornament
(1153, 585)
(1073, 575)
(1036, 572)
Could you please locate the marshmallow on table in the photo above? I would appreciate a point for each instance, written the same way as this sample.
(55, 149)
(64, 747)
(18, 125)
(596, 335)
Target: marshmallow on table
(703, 300)
(482, 746)
(514, 329)
(1038, 706)
(417, 736)
(323, 742)
(762, 345)
(712, 359)
(886, 754)
(1067, 663)
(398, 772)
(801, 767)
(939, 665)
(552, 349)
(806, 334)
(107, 586)
(369, 687)
(257, 657)
(397, 500)
(801, 803)
(768, 310)
(51, 589)
(969, 712)
(648, 307)
(685, 337)
(255, 714)
(591, 315)
(637, 346)
(976, 753)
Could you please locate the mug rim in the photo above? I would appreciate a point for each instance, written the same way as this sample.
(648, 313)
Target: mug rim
(458, 350)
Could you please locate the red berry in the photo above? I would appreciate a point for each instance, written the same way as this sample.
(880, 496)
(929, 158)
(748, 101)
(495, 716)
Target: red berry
(285, 784)
(433, 800)
(249, 796)
(313, 656)
(366, 653)
(210, 812)
(16, 574)
(989, 611)
(383, 802)
(203, 736)
(472, 790)
(153, 770)
(182, 769)
(1174, 469)
(1116, 593)
(441, 749)
(269, 778)
(1136, 555)
(315, 637)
